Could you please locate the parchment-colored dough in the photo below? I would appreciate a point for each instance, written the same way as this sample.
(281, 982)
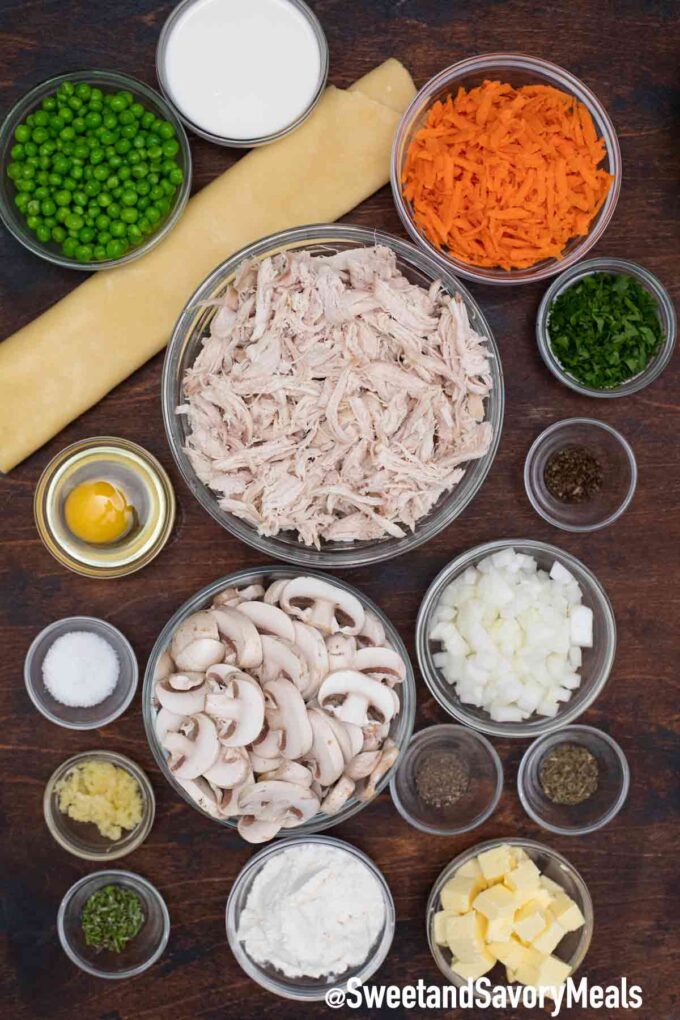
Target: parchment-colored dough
(77, 351)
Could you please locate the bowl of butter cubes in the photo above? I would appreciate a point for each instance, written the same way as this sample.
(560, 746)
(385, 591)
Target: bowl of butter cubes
(514, 911)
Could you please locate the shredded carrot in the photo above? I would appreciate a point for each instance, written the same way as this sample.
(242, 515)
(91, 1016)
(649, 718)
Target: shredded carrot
(506, 177)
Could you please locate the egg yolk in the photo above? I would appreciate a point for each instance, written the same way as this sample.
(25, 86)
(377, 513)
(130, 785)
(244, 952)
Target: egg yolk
(98, 512)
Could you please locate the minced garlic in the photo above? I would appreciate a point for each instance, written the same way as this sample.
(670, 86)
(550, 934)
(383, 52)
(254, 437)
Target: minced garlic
(104, 794)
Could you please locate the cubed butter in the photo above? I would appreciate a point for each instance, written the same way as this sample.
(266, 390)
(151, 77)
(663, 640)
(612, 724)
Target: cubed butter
(538, 895)
(511, 953)
(471, 869)
(473, 969)
(465, 935)
(500, 929)
(523, 878)
(553, 887)
(496, 862)
(439, 926)
(567, 912)
(550, 938)
(496, 901)
(459, 892)
(552, 972)
(527, 974)
(530, 921)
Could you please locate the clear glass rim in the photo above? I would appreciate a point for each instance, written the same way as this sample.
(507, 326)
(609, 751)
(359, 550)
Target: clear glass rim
(116, 79)
(84, 623)
(111, 875)
(424, 736)
(241, 143)
(623, 267)
(457, 500)
(512, 730)
(135, 837)
(533, 452)
(534, 750)
(526, 844)
(406, 718)
(561, 77)
(252, 969)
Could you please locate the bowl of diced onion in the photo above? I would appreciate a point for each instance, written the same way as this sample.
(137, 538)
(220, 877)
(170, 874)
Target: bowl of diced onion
(515, 638)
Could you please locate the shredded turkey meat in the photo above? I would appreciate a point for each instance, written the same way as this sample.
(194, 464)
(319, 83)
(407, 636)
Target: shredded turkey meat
(335, 398)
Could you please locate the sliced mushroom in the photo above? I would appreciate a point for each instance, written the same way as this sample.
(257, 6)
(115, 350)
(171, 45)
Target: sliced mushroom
(363, 764)
(285, 710)
(381, 663)
(388, 756)
(356, 698)
(350, 737)
(164, 667)
(255, 831)
(273, 592)
(373, 735)
(260, 764)
(201, 793)
(237, 704)
(325, 754)
(281, 659)
(231, 767)
(182, 693)
(241, 637)
(229, 597)
(251, 592)
(312, 647)
(272, 800)
(194, 748)
(323, 605)
(338, 796)
(228, 799)
(372, 632)
(291, 772)
(341, 650)
(268, 619)
(167, 722)
(195, 644)
(268, 742)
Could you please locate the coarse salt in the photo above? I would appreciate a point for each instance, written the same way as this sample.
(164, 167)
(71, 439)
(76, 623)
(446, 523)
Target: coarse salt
(80, 669)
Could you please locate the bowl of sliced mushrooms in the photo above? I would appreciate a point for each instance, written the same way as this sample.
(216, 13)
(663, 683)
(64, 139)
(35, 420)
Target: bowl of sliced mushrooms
(276, 700)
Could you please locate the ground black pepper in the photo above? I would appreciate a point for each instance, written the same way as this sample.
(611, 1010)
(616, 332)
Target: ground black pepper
(569, 774)
(441, 778)
(573, 474)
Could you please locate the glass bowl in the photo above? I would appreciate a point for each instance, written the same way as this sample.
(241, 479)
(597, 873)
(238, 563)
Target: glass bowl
(600, 808)
(240, 143)
(94, 716)
(108, 81)
(83, 839)
(186, 343)
(304, 989)
(665, 311)
(401, 726)
(573, 947)
(140, 953)
(619, 474)
(518, 69)
(479, 800)
(597, 661)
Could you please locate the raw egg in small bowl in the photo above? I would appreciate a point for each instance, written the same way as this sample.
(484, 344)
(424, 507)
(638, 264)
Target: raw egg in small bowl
(104, 507)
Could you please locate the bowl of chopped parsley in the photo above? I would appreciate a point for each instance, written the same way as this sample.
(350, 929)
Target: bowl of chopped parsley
(606, 328)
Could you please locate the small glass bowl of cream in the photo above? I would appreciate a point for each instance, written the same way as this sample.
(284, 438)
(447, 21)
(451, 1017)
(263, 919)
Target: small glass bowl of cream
(242, 72)
(104, 507)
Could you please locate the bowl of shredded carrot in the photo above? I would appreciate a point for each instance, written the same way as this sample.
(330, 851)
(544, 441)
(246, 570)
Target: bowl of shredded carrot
(506, 168)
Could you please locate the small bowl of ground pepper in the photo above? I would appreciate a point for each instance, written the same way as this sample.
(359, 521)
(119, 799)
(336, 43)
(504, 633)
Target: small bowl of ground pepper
(574, 781)
(449, 780)
(580, 474)
(113, 924)
(606, 328)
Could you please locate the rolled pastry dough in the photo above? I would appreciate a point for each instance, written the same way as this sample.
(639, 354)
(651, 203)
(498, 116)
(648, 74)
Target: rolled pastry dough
(71, 356)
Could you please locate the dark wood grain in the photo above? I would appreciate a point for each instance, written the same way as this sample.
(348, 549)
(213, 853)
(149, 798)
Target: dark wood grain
(627, 52)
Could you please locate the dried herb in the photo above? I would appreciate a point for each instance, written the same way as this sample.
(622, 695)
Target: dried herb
(111, 917)
(604, 329)
(441, 778)
(573, 474)
(569, 774)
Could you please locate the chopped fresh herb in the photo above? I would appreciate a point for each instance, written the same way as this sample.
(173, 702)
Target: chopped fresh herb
(111, 917)
(604, 329)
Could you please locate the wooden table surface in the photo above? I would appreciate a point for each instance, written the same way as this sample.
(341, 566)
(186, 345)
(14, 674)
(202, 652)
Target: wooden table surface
(625, 52)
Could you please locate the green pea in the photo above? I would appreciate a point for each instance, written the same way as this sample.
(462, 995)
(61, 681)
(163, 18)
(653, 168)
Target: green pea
(143, 187)
(137, 111)
(47, 207)
(49, 103)
(154, 176)
(129, 215)
(63, 211)
(22, 133)
(14, 171)
(21, 202)
(79, 125)
(102, 222)
(86, 235)
(143, 203)
(168, 188)
(115, 248)
(124, 173)
(31, 149)
(147, 120)
(112, 182)
(91, 189)
(113, 211)
(69, 247)
(92, 120)
(115, 161)
(44, 163)
(66, 89)
(108, 137)
(154, 152)
(100, 173)
(163, 206)
(27, 171)
(57, 124)
(30, 120)
(74, 222)
(32, 206)
(118, 228)
(25, 186)
(81, 151)
(96, 95)
(123, 146)
(80, 197)
(33, 222)
(40, 135)
(47, 149)
(75, 103)
(17, 152)
(96, 157)
(139, 142)
(166, 129)
(126, 117)
(67, 134)
(133, 157)
(99, 252)
(129, 131)
(43, 233)
(139, 170)
(129, 197)
(84, 252)
(77, 172)
(153, 214)
(118, 103)
(104, 236)
(83, 90)
(66, 114)
(58, 234)
(62, 164)
(104, 199)
(144, 225)
(134, 233)
(50, 221)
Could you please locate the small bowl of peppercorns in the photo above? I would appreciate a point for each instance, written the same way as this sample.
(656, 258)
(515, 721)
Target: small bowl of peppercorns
(573, 781)
(580, 474)
(448, 781)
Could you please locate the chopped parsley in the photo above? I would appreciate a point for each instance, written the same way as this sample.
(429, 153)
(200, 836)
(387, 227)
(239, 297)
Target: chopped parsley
(111, 917)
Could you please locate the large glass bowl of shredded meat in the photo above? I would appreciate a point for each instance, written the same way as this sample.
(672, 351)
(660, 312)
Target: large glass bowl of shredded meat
(332, 397)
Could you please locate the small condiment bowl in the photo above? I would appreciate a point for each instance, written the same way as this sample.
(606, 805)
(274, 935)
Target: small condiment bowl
(304, 989)
(140, 952)
(573, 947)
(83, 839)
(597, 661)
(665, 311)
(619, 474)
(595, 812)
(95, 716)
(474, 806)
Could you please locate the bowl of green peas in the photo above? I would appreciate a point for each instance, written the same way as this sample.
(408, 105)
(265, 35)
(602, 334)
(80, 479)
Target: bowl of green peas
(95, 169)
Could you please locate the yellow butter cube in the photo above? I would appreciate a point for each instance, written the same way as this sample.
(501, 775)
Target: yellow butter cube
(552, 887)
(439, 926)
(552, 972)
(567, 912)
(471, 869)
(519, 854)
(530, 921)
(527, 974)
(472, 969)
(550, 938)
(523, 878)
(496, 901)
(465, 935)
(499, 929)
(511, 953)
(538, 895)
(459, 892)
(510, 975)
(496, 862)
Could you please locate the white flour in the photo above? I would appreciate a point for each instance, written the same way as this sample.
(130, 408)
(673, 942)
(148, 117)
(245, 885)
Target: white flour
(313, 910)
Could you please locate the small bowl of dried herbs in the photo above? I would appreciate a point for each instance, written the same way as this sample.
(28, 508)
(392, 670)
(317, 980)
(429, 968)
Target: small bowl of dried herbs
(113, 924)
(580, 474)
(448, 781)
(606, 328)
(573, 781)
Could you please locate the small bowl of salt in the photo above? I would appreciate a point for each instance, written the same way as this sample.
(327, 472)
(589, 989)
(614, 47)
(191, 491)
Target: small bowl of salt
(81, 673)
